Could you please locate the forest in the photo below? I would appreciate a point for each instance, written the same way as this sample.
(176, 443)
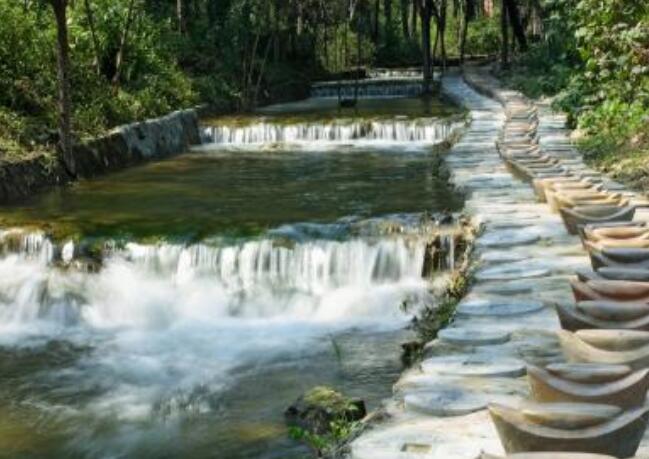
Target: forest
(73, 69)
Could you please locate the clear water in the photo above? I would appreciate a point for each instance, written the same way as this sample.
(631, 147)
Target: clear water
(229, 278)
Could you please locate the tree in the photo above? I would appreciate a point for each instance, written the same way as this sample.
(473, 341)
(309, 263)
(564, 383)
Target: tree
(388, 25)
(90, 17)
(119, 58)
(181, 15)
(60, 8)
(468, 8)
(514, 18)
(504, 31)
(439, 12)
(405, 18)
(425, 11)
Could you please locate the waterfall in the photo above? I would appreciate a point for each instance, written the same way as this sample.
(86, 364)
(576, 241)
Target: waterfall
(385, 73)
(374, 88)
(422, 130)
(309, 267)
(149, 285)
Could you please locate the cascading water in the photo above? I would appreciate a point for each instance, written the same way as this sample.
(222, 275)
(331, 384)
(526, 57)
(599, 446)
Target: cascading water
(253, 279)
(386, 88)
(144, 346)
(395, 73)
(422, 130)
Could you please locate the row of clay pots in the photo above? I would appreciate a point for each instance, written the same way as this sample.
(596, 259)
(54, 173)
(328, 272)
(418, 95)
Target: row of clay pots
(596, 403)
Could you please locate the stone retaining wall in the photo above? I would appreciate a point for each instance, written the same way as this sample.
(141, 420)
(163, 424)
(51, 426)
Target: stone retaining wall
(120, 148)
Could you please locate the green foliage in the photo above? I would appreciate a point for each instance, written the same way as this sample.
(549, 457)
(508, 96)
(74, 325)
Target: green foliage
(152, 83)
(594, 56)
(483, 36)
(613, 121)
(340, 430)
(26, 59)
(613, 41)
(551, 61)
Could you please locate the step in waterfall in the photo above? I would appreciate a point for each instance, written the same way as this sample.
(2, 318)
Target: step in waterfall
(42, 281)
(420, 130)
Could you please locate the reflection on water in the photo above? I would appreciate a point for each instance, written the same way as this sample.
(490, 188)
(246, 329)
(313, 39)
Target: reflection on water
(242, 193)
(241, 278)
(322, 110)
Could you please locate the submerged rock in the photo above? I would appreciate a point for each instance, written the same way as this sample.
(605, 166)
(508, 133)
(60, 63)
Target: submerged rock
(318, 408)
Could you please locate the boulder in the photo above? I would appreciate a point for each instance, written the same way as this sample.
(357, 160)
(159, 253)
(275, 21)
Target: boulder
(316, 409)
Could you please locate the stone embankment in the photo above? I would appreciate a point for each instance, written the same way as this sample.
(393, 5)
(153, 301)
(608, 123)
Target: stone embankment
(122, 147)
(524, 260)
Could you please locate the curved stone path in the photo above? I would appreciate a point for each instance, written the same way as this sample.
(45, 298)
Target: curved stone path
(525, 259)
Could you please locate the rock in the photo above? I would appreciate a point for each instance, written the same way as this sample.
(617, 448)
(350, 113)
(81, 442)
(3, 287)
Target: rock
(498, 308)
(507, 238)
(444, 218)
(316, 409)
(475, 365)
(449, 403)
(512, 271)
(501, 256)
(411, 352)
(473, 337)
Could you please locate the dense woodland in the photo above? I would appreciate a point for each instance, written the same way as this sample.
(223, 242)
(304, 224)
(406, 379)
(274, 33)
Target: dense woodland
(74, 68)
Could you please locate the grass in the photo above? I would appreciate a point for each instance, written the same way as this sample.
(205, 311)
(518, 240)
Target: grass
(22, 138)
(627, 162)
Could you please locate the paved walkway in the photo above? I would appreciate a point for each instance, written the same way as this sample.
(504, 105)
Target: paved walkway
(525, 258)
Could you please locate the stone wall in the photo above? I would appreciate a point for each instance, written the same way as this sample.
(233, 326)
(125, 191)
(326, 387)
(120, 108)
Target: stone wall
(122, 147)
(135, 143)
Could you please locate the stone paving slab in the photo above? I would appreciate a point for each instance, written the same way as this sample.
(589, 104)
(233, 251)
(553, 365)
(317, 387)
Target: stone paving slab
(525, 259)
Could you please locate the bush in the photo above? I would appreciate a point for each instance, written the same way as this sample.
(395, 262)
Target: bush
(152, 83)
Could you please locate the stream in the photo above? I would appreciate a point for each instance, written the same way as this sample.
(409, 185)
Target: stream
(175, 309)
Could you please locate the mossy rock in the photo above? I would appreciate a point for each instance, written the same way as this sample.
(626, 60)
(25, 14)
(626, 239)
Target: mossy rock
(317, 408)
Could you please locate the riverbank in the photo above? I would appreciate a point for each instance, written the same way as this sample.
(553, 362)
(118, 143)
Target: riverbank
(120, 148)
(525, 258)
(613, 138)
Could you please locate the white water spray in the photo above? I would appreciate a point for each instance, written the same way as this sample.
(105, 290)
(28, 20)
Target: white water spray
(421, 130)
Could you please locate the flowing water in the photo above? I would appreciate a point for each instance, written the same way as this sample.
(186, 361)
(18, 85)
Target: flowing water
(175, 309)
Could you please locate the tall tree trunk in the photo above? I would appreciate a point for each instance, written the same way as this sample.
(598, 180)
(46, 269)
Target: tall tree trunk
(515, 22)
(435, 45)
(504, 31)
(405, 26)
(180, 15)
(414, 16)
(387, 14)
(442, 32)
(119, 59)
(90, 17)
(376, 24)
(63, 73)
(425, 11)
(262, 69)
(358, 58)
(299, 19)
(465, 28)
(537, 18)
